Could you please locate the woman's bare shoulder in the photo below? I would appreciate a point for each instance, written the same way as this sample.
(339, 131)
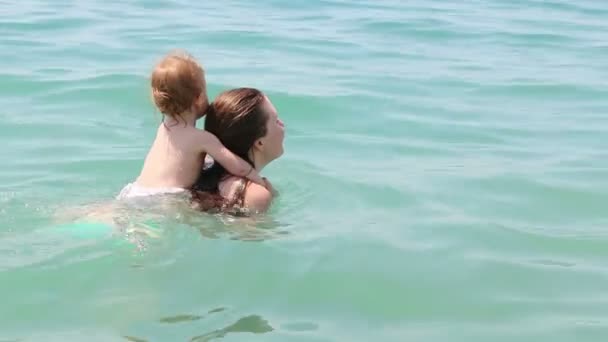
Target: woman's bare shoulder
(257, 197)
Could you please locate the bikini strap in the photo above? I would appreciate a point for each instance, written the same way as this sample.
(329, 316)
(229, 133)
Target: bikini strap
(239, 194)
(237, 199)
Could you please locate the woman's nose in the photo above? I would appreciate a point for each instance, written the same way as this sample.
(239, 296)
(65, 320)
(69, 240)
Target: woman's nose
(281, 123)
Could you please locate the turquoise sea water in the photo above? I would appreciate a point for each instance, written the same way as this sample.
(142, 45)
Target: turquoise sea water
(445, 175)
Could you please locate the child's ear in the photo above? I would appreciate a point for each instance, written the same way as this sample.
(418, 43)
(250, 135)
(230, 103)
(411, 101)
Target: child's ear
(201, 105)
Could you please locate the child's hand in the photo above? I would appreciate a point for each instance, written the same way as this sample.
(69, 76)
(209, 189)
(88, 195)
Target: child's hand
(254, 176)
(269, 187)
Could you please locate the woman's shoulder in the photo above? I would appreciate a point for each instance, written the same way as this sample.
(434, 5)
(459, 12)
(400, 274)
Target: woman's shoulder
(249, 194)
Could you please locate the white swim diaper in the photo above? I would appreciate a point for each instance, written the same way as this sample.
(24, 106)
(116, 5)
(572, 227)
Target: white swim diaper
(134, 190)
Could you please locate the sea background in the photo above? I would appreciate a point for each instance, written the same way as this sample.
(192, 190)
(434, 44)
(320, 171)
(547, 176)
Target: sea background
(445, 175)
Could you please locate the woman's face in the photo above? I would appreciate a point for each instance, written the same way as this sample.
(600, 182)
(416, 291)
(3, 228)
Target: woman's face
(271, 145)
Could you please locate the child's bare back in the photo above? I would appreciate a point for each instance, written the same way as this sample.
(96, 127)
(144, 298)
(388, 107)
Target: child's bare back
(175, 158)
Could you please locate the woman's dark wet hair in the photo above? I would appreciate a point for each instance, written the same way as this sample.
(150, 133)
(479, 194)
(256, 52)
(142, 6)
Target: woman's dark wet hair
(236, 117)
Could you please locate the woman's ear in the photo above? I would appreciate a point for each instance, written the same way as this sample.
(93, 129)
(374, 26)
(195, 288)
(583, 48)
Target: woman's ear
(258, 144)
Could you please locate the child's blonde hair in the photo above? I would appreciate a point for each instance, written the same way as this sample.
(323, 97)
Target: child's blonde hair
(177, 81)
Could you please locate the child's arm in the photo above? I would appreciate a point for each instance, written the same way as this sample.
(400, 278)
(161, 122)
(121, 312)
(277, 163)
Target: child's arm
(269, 187)
(230, 161)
